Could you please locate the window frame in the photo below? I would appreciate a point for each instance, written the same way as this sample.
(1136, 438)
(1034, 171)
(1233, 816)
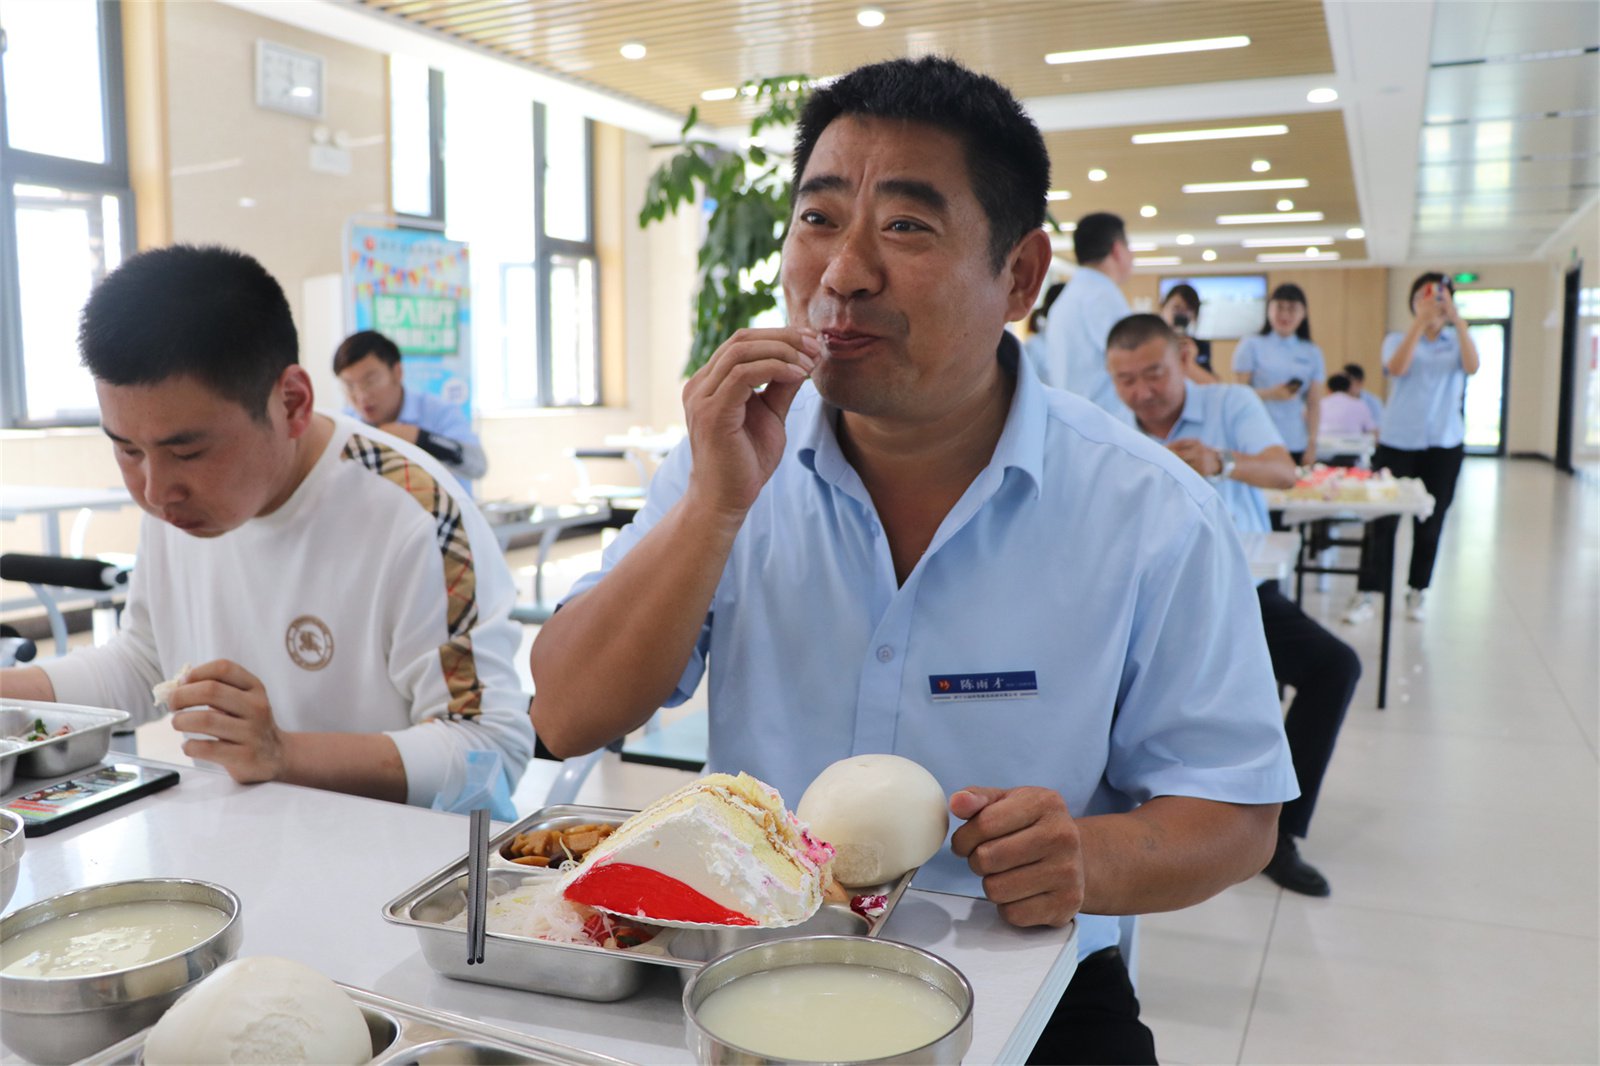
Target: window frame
(17, 166)
(547, 248)
(436, 174)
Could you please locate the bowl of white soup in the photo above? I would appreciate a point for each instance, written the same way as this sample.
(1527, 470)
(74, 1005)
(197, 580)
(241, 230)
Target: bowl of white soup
(86, 968)
(835, 999)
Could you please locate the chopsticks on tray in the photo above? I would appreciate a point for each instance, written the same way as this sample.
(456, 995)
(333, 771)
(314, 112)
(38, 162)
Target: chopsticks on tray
(477, 886)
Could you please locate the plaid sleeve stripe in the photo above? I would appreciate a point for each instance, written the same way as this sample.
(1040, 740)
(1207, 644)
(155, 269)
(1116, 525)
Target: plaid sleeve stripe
(460, 581)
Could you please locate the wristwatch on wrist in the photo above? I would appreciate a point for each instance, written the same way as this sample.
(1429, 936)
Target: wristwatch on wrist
(1227, 465)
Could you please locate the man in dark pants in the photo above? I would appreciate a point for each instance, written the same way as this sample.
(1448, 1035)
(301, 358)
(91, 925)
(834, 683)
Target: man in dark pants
(1224, 433)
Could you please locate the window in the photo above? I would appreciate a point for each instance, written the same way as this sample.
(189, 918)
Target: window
(569, 348)
(416, 138)
(65, 201)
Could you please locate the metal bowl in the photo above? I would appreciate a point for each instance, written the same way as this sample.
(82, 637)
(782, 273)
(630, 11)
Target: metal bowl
(849, 950)
(10, 854)
(62, 1019)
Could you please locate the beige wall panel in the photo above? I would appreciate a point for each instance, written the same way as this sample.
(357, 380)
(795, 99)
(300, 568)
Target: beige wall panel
(145, 84)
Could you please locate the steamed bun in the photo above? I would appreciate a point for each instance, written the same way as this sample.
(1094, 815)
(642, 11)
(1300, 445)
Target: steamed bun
(884, 814)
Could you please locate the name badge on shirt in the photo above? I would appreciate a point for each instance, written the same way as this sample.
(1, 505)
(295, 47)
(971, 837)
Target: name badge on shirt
(1007, 685)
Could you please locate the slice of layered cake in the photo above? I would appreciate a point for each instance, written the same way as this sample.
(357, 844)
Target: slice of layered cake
(722, 850)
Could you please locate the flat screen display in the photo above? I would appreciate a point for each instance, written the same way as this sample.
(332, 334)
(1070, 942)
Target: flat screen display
(1231, 305)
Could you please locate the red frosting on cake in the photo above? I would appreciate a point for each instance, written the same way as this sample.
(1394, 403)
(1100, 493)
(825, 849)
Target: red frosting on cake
(624, 888)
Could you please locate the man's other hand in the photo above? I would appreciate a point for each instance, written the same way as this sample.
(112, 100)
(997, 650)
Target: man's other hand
(222, 699)
(1204, 459)
(1025, 845)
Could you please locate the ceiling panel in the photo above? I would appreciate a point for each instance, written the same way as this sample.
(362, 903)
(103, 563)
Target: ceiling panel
(696, 45)
(1496, 90)
(1473, 29)
(1539, 138)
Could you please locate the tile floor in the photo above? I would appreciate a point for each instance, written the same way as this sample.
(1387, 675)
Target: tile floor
(1459, 827)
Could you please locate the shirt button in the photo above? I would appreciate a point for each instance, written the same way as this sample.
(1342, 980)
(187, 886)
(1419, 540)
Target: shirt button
(876, 529)
(885, 653)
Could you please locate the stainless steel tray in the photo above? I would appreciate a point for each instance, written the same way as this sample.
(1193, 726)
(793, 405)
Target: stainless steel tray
(86, 745)
(575, 970)
(403, 1034)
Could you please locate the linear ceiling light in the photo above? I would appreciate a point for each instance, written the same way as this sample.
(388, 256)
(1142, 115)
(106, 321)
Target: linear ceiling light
(1246, 186)
(1220, 134)
(1296, 257)
(1142, 246)
(1286, 242)
(719, 94)
(1058, 194)
(1157, 260)
(1269, 219)
(1135, 51)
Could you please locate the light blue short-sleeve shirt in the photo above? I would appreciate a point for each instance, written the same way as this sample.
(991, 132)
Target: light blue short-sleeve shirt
(1272, 360)
(1231, 417)
(1065, 627)
(1425, 403)
(1075, 333)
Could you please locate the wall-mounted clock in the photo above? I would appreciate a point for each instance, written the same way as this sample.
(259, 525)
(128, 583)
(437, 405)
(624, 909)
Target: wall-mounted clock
(289, 80)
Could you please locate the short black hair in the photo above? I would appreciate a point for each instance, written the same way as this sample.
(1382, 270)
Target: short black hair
(1339, 383)
(1355, 372)
(358, 346)
(1096, 236)
(1135, 331)
(1007, 162)
(210, 313)
(1185, 292)
(1290, 293)
(1431, 276)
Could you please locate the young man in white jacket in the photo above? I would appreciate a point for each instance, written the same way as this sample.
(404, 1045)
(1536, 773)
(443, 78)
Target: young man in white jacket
(345, 604)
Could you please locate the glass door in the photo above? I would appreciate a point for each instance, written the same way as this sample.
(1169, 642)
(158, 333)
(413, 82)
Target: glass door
(1487, 313)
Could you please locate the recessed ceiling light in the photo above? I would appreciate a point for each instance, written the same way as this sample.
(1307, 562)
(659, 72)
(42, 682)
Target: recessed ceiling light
(1285, 205)
(1134, 51)
(1058, 194)
(1295, 257)
(1097, 174)
(1261, 220)
(1246, 186)
(1185, 238)
(1209, 255)
(633, 50)
(301, 92)
(247, 201)
(1260, 166)
(1142, 246)
(1322, 96)
(870, 17)
(1219, 134)
(1355, 233)
(1286, 242)
(1156, 260)
(1313, 251)
(1147, 211)
(719, 94)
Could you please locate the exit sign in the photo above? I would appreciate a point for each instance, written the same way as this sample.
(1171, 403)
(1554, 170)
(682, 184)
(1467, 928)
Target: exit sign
(1465, 278)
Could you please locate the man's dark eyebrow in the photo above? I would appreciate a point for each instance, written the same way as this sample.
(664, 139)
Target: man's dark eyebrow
(823, 183)
(177, 440)
(920, 191)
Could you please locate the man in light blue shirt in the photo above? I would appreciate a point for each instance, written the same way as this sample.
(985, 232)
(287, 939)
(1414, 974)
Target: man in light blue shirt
(1225, 434)
(924, 551)
(368, 365)
(1075, 332)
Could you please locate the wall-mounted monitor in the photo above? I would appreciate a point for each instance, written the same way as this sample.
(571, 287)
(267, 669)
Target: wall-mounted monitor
(1231, 305)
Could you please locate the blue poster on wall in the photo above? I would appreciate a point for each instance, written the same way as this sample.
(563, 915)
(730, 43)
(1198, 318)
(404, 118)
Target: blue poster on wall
(411, 285)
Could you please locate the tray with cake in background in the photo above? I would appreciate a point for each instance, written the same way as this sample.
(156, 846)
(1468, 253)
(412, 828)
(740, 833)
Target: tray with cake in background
(587, 902)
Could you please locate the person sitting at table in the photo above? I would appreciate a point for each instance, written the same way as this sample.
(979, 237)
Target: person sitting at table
(345, 602)
(1358, 388)
(1345, 417)
(845, 553)
(368, 364)
(1226, 435)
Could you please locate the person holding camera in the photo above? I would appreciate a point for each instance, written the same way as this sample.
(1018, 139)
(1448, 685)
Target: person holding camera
(1422, 435)
(1287, 371)
(1181, 311)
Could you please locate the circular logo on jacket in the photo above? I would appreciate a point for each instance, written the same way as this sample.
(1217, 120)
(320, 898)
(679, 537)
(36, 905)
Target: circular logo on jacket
(310, 642)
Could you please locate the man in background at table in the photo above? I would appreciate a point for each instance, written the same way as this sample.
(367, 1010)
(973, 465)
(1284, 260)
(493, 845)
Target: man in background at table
(368, 364)
(1358, 389)
(347, 605)
(1075, 332)
(862, 558)
(1343, 414)
(1226, 435)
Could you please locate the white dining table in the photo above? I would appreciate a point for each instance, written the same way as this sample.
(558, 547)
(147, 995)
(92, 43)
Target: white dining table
(50, 501)
(313, 870)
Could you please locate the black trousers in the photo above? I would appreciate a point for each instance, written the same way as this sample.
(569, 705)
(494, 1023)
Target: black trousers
(1097, 1020)
(1323, 671)
(1438, 468)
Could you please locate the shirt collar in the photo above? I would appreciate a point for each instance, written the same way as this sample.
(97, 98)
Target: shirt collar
(1193, 413)
(1020, 447)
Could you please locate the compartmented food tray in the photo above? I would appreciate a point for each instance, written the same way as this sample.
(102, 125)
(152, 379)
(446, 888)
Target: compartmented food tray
(85, 743)
(581, 971)
(403, 1034)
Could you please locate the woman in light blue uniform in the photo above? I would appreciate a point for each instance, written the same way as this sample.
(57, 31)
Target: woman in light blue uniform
(1421, 435)
(1287, 371)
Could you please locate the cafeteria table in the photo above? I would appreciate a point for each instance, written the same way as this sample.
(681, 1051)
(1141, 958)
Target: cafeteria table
(1412, 502)
(549, 522)
(49, 501)
(313, 870)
